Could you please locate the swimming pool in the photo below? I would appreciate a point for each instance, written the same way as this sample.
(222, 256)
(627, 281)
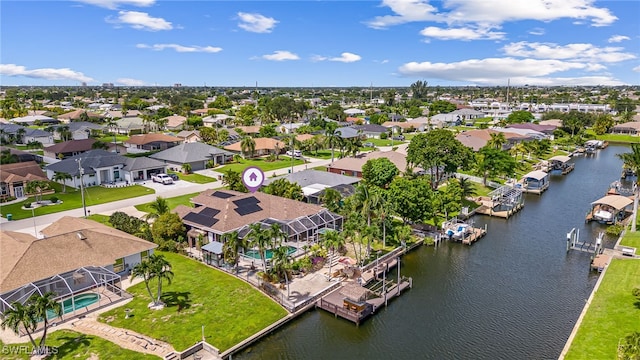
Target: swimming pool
(255, 254)
(81, 301)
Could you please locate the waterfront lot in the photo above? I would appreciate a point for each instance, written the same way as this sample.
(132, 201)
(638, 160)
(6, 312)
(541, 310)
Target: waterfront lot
(230, 309)
(73, 345)
(172, 202)
(283, 162)
(612, 315)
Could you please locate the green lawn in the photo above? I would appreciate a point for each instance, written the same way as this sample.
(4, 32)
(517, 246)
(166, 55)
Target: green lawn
(616, 138)
(172, 202)
(612, 315)
(74, 345)
(73, 200)
(385, 142)
(283, 162)
(103, 219)
(631, 239)
(322, 154)
(230, 309)
(194, 178)
(109, 139)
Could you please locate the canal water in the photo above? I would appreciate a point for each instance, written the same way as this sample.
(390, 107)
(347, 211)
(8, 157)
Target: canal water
(515, 294)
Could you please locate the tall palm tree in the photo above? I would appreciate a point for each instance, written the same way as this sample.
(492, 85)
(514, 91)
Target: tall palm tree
(159, 207)
(233, 244)
(18, 316)
(62, 178)
(277, 235)
(403, 234)
(247, 145)
(280, 262)
(260, 239)
(497, 140)
(467, 188)
(332, 199)
(20, 135)
(42, 306)
(332, 138)
(333, 240)
(632, 161)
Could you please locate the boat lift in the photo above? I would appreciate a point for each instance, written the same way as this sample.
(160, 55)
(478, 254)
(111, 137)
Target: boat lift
(574, 243)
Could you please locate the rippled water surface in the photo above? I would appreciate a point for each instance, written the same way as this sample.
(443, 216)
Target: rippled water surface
(516, 294)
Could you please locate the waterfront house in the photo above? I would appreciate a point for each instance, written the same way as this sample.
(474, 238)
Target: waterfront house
(76, 256)
(352, 166)
(219, 212)
(629, 128)
(15, 177)
(196, 154)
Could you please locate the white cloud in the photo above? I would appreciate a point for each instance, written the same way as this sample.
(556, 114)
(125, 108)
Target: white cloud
(537, 31)
(491, 12)
(181, 48)
(461, 33)
(43, 73)
(114, 4)
(141, 21)
(636, 69)
(346, 57)
(130, 82)
(618, 38)
(490, 70)
(281, 55)
(577, 52)
(256, 23)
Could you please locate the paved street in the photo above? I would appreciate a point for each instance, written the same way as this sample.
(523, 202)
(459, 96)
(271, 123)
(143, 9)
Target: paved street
(27, 225)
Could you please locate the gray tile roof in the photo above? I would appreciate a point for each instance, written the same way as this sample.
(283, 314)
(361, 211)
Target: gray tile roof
(310, 177)
(189, 152)
(371, 128)
(90, 161)
(141, 163)
(347, 132)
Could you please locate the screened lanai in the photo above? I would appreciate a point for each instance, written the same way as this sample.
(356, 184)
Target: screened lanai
(72, 288)
(303, 228)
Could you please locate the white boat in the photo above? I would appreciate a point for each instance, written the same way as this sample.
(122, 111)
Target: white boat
(458, 231)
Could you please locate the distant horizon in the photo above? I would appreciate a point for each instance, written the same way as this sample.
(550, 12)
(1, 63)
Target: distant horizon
(320, 44)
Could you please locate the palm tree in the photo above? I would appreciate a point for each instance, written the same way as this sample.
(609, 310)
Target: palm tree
(280, 262)
(260, 239)
(19, 316)
(333, 240)
(468, 189)
(159, 207)
(20, 135)
(632, 161)
(233, 243)
(186, 168)
(247, 145)
(319, 142)
(143, 270)
(332, 137)
(42, 306)
(37, 187)
(62, 178)
(518, 148)
(276, 234)
(162, 270)
(403, 234)
(497, 140)
(331, 199)
(367, 202)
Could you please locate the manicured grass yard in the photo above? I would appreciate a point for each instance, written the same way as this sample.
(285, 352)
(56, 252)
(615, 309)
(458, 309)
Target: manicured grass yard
(194, 178)
(322, 154)
(612, 315)
(73, 200)
(632, 239)
(172, 202)
(74, 345)
(230, 309)
(261, 163)
(385, 142)
(103, 219)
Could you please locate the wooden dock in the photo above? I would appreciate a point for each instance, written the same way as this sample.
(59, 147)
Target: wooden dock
(475, 235)
(486, 208)
(600, 261)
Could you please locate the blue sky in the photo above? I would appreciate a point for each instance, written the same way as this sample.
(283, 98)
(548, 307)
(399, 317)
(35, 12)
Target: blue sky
(320, 43)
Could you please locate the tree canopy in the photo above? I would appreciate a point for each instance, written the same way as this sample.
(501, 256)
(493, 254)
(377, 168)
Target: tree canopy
(520, 116)
(411, 198)
(379, 172)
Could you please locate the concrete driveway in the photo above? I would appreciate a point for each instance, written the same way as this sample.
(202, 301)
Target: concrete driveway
(162, 188)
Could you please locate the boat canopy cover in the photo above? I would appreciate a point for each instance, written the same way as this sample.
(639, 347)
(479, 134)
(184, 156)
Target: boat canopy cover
(617, 202)
(537, 174)
(560, 158)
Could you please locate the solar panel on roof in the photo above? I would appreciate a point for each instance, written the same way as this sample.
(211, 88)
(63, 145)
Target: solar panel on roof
(251, 200)
(209, 212)
(222, 194)
(200, 219)
(248, 209)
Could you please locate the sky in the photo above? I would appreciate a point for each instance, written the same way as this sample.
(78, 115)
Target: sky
(308, 43)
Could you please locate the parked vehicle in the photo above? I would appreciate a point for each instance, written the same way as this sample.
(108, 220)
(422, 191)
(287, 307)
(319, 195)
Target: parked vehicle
(174, 177)
(369, 144)
(162, 178)
(398, 137)
(294, 153)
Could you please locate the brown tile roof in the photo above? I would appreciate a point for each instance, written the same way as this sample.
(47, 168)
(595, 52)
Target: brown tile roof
(24, 259)
(24, 171)
(154, 137)
(174, 121)
(229, 219)
(249, 129)
(261, 144)
(356, 163)
(303, 137)
(71, 146)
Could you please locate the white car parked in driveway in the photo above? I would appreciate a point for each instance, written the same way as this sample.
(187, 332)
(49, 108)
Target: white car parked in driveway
(162, 178)
(294, 153)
